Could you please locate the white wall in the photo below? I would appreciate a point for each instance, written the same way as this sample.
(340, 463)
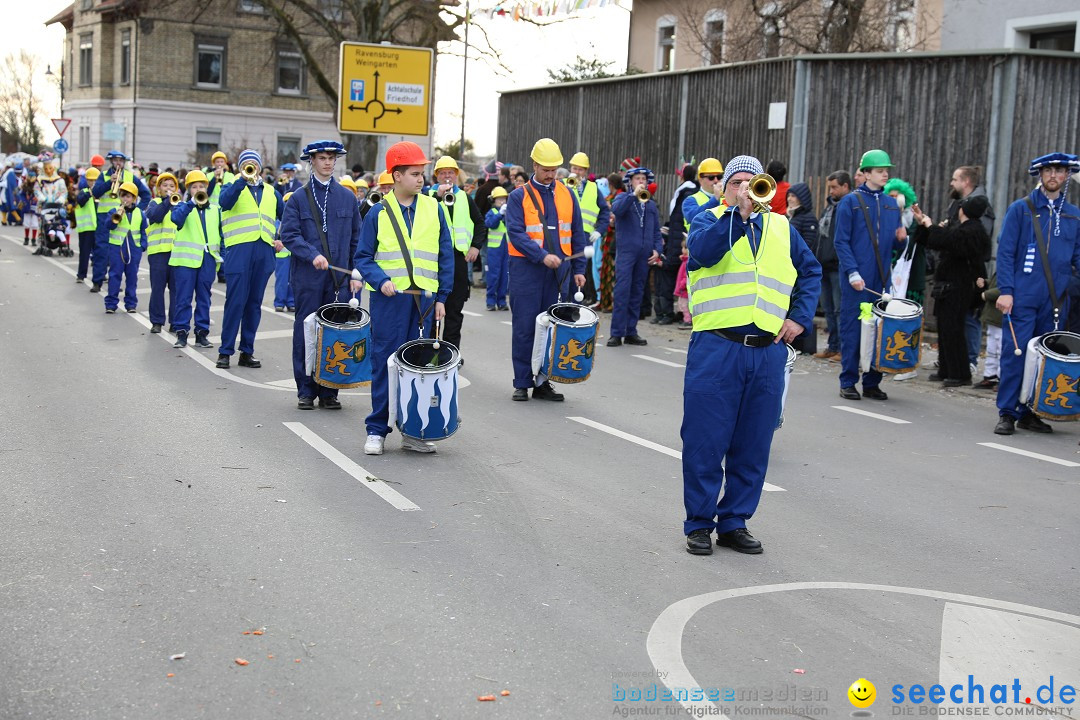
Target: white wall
(987, 24)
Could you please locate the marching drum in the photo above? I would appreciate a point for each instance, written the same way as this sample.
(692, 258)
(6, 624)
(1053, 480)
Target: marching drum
(1051, 376)
(423, 388)
(789, 367)
(564, 344)
(899, 335)
(342, 335)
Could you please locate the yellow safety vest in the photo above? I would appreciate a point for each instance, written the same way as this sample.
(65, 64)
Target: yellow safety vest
(159, 236)
(192, 241)
(226, 178)
(247, 221)
(589, 206)
(700, 197)
(128, 224)
(422, 243)
(461, 224)
(496, 235)
(105, 203)
(86, 215)
(741, 290)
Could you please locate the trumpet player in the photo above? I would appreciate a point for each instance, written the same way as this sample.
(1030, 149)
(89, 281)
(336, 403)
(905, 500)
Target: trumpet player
(127, 243)
(160, 233)
(469, 233)
(754, 285)
(219, 176)
(194, 259)
(287, 181)
(106, 192)
(250, 209)
(595, 212)
(637, 227)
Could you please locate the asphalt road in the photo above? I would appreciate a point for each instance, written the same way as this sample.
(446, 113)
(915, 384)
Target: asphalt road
(153, 505)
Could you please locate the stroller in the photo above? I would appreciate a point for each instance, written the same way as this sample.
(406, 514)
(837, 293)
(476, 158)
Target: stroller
(53, 233)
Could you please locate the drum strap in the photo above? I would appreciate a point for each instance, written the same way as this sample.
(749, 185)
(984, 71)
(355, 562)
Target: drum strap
(1041, 242)
(315, 214)
(873, 241)
(408, 264)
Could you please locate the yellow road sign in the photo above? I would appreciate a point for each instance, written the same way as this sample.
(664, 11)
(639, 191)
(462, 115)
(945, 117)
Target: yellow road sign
(385, 89)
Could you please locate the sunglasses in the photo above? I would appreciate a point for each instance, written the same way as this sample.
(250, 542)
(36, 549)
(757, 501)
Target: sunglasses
(714, 178)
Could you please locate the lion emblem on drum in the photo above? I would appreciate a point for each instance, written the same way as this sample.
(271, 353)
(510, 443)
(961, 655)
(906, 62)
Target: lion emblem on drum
(1058, 390)
(338, 353)
(570, 353)
(897, 346)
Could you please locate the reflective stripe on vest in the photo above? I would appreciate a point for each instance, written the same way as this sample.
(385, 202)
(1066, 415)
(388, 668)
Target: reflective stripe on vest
(733, 293)
(106, 204)
(86, 215)
(461, 224)
(497, 235)
(159, 236)
(129, 223)
(226, 178)
(422, 243)
(247, 221)
(590, 207)
(191, 243)
(534, 218)
(700, 197)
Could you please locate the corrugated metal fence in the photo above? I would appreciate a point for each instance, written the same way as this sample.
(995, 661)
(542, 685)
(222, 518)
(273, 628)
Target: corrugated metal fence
(931, 112)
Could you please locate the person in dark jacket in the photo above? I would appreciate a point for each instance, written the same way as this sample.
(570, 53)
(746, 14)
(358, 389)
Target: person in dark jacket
(961, 249)
(667, 270)
(800, 212)
(838, 184)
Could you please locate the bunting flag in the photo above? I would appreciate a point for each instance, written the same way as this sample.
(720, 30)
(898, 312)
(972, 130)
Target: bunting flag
(524, 9)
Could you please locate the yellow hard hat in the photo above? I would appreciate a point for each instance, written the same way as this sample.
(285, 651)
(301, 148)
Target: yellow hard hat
(498, 192)
(217, 155)
(580, 159)
(167, 176)
(446, 162)
(92, 174)
(362, 183)
(130, 187)
(347, 181)
(287, 196)
(385, 178)
(195, 176)
(546, 153)
(710, 166)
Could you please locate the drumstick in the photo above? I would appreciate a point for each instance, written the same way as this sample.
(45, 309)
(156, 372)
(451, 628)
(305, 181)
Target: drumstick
(438, 335)
(883, 296)
(354, 273)
(1016, 346)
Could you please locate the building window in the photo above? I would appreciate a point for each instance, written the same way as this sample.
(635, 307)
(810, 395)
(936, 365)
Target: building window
(207, 142)
(252, 6)
(770, 30)
(713, 37)
(84, 143)
(86, 59)
(288, 149)
(70, 64)
(125, 57)
(86, 4)
(1063, 38)
(665, 43)
(290, 71)
(210, 62)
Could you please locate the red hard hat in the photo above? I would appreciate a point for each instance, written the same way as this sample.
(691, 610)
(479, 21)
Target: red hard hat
(404, 153)
(97, 161)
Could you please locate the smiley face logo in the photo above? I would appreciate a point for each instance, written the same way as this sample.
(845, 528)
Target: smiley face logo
(862, 693)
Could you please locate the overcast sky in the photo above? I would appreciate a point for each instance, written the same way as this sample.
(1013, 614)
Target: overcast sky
(599, 32)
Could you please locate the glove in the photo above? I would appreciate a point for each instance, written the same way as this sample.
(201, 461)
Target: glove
(502, 210)
(594, 236)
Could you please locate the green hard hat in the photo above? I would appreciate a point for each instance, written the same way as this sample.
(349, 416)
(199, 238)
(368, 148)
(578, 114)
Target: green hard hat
(875, 159)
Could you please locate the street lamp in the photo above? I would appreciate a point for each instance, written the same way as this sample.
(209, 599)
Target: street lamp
(59, 80)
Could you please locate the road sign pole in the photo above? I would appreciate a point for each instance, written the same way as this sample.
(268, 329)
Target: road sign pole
(464, 78)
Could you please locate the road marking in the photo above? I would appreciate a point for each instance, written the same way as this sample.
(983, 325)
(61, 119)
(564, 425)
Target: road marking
(273, 334)
(678, 350)
(867, 413)
(470, 313)
(1028, 453)
(507, 322)
(658, 361)
(290, 383)
(664, 642)
(358, 473)
(769, 487)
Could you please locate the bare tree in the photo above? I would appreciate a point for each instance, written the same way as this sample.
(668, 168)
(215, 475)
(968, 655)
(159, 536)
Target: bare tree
(20, 107)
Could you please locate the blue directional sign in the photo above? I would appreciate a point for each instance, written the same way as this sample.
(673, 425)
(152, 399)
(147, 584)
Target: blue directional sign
(60, 146)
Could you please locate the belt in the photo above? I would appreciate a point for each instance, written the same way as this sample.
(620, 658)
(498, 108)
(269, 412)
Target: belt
(756, 341)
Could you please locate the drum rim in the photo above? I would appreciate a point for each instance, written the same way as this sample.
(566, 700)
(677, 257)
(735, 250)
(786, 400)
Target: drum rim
(1051, 353)
(455, 357)
(880, 311)
(365, 317)
(559, 321)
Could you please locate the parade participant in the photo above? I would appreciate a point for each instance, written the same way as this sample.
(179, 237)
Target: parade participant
(1038, 251)
(637, 226)
(866, 223)
(348, 183)
(595, 215)
(107, 201)
(386, 182)
(405, 244)
(127, 243)
(85, 222)
(498, 265)
(709, 196)
(320, 227)
(194, 259)
(249, 214)
(469, 234)
(50, 191)
(287, 181)
(753, 286)
(361, 191)
(543, 226)
(160, 233)
(7, 191)
(284, 298)
(27, 205)
(219, 175)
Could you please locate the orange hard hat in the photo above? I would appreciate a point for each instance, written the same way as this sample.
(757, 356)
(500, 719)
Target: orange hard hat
(97, 161)
(404, 153)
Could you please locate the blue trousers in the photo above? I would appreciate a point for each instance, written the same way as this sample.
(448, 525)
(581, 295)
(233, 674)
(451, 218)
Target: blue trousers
(101, 252)
(312, 294)
(123, 264)
(731, 402)
(850, 335)
(246, 273)
(1028, 323)
(498, 274)
(533, 289)
(394, 321)
(283, 292)
(830, 302)
(973, 334)
(161, 277)
(193, 282)
(86, 249)
(631, 272)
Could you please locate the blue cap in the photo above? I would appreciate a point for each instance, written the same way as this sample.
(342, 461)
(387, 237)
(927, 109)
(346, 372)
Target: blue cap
(649, 175)
(329, 146)
(249, 155)
(1057, 158)
(115, 154)
(289, 166)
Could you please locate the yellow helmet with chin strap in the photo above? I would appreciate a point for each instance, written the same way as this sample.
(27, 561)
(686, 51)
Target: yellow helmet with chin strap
(546, 153)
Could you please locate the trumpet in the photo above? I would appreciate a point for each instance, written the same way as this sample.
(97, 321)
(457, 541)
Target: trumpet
(448, 199)
(374, 197)
(281, 180)
(643, 194)
(250, 172)
(175, 199)
(200, 198)
(116, 217)
(114, 191)
(572, 181)
(762, 188)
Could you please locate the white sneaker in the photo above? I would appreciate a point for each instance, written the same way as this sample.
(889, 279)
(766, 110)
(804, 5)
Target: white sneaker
(900, 377)
(374, 445)
(408, 443)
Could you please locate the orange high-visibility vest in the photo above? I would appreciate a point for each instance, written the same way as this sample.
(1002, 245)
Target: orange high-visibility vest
(534, 219)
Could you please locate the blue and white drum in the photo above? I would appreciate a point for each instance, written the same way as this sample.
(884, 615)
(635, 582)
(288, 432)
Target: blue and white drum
(789, 367)
(569, 342)
(899, 335)
(1051, 376)
(342, 336)
(423, 389)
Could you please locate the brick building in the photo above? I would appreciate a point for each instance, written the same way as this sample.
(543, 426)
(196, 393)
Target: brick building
(172, 83)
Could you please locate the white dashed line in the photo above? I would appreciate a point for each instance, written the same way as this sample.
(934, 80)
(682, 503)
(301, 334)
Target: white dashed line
(470, 313)
(867, 413)
(1028, 453)
(658, 361)
(507, 322)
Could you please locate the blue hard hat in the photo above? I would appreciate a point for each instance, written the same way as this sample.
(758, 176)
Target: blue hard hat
(115, 154)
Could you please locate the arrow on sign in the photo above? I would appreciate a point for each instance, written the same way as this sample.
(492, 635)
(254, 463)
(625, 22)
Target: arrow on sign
(61, 125)
(382, 110)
